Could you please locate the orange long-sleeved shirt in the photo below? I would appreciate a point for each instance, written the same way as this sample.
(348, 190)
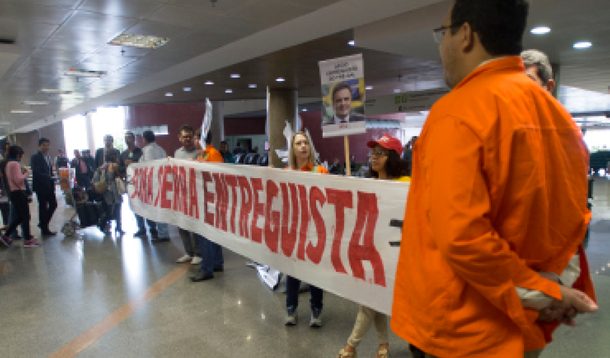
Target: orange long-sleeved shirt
(498, 193)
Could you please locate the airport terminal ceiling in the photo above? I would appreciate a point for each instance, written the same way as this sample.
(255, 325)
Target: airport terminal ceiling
(260, 40)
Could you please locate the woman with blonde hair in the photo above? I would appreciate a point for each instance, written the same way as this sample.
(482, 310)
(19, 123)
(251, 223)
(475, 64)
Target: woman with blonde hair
(302, 157)
(385, 165)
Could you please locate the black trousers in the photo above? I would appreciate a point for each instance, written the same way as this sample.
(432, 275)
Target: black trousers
(47, 203)
(292, 294)
(22, 209)
(5, 209)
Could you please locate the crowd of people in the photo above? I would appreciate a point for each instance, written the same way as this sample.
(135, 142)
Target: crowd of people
(496, 211)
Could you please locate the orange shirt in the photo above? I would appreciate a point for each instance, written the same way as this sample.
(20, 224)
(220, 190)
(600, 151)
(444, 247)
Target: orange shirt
(498, 193)
(310, 168)
(210, 154)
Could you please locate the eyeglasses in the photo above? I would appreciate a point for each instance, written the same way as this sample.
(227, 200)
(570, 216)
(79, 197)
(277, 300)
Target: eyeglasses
(379, 153)
(440, 32)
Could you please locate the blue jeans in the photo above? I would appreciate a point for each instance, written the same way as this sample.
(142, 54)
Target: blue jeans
(292, 294)
(211, 255)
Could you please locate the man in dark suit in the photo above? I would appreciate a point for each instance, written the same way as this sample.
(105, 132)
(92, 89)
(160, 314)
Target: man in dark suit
(100, 154)
(342, 104)
(43, 185)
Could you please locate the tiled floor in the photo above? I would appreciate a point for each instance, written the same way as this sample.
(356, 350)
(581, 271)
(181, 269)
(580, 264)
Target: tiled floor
(54, 294)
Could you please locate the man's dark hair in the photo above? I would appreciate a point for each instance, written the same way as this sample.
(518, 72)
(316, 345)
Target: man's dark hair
(149, 136)
(43, 140)
(208, 139)
(394, 166)
(341, 86)
(111, 157)
(14, 151)
(238, 144)
(185, 128)
(224, 142)
(130, 133)
(499, 23)
(60, 150)
(197, 133)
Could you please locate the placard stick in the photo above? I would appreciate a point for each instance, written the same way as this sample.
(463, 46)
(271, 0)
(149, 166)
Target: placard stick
(348, 165)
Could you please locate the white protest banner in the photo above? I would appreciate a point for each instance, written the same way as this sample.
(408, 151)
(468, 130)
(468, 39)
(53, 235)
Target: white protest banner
(329, 231)
(404, 102)
(343, 96)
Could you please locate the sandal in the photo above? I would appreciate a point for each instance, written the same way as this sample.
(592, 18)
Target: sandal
(344, 354)
(382, 353)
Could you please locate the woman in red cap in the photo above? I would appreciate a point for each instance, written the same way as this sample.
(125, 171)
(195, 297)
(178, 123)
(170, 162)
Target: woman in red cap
(385, 164)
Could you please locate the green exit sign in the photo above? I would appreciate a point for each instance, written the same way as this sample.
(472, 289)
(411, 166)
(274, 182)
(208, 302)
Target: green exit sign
(404, 98)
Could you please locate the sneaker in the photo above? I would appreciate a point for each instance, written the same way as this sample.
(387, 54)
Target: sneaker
(196, 260)
(291, 317)
(315, 321)
(6, 241)
(31, 243)
(183, 259)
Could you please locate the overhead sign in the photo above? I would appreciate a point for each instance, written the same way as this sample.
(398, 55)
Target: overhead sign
(343, 96)
(404, 102)
(329, 231)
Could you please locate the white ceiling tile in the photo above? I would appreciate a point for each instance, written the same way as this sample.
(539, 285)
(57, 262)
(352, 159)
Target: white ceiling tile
(184, 17)
(133, 8)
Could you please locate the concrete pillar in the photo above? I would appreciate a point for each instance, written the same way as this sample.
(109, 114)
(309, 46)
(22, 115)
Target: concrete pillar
(218, 123)
(282, 106)
(90, 134)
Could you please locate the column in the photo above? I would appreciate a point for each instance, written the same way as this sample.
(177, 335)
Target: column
(90, 134)
(218, 123)
(281, 107)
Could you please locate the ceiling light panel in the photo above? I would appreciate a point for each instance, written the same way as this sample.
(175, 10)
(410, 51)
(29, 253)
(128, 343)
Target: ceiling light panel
(140, 41)
(21, 111)
(54, 91)
(84, 73)
(35, 103)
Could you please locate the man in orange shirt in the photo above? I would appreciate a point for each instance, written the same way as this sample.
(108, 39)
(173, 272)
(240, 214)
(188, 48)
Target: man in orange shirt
(497, 200)
(211, 253)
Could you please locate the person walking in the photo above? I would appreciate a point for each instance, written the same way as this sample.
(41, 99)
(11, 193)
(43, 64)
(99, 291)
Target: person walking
(109, 173)
(129, 156)
(13, 176)
(44, 185)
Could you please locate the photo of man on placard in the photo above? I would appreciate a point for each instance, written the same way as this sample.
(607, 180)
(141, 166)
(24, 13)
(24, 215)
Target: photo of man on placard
(342, 96)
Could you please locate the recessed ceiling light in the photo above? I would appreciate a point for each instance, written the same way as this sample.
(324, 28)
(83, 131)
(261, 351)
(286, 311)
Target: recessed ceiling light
(141, 41)
(209, 83)
(186, 89)
(169, 94)
(351, 43)
(280, 79)
(235, 75)
(229, 91)
(304, 110)
(540, 30)
(84, 73)
(21, 111)
(397, 91)
(252, 86)
(54, 91)
(36, 103)
(583, 44)
(368, 88)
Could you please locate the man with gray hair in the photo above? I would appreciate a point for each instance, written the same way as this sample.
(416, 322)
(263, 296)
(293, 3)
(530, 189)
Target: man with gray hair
(538, 67)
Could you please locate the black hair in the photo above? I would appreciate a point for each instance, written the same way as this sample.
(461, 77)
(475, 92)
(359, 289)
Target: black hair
(208, 138)
(499, 23)
(111, 156)
(149, 136)
(130, 133)
(224, 142)
(394, 166)
(14, 151)
(43, 140)
(341, 86)
(185, 128)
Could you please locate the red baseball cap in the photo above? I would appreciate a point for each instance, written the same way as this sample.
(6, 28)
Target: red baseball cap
(387, 142)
